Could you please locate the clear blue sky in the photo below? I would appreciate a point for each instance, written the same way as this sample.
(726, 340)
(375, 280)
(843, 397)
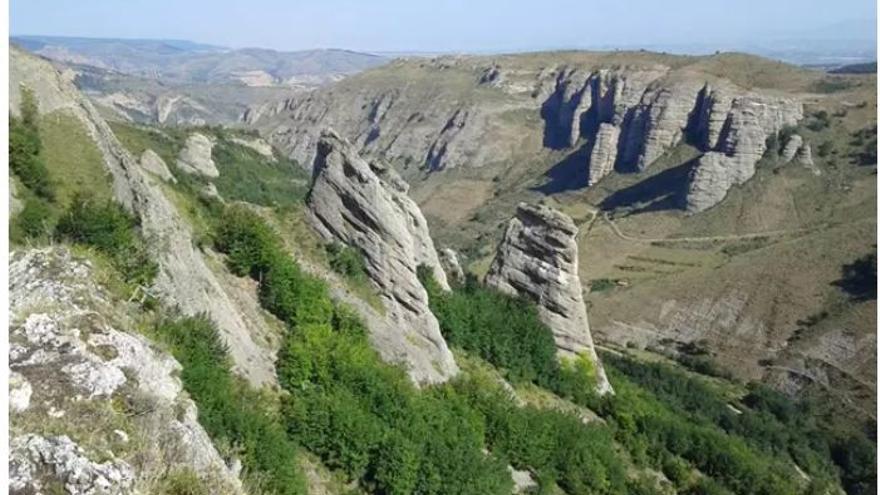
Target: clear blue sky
(438, 25)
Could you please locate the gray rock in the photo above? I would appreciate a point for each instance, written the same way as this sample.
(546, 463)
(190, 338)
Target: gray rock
(750, 121)
(257, 144)
(185, 278)
(538, 260)
(604, 153)
(350, 203)
(522, 480)
(791, 147)
(34, 460)
(195, 158)
(70, 338)
(154, 164)
(805, 158)
(449, 261)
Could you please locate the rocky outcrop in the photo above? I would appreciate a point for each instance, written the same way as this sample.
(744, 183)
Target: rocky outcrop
(367, 207)
(185, 279)
(153, 163)
(259, 145)
(95, 408)
(195, 158)
(791, 148)
(751, 120)
(604, 152)
(538, 259)
(449, 261)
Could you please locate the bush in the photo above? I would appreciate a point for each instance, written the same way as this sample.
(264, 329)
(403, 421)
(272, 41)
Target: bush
(232, 414)
(112, 230)
(34, 220)
(501, 329)
(24, 149)
(346, 261)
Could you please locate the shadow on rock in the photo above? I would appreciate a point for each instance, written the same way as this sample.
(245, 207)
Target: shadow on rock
(664, 190)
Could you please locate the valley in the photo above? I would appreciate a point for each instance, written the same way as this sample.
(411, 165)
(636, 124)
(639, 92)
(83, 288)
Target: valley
(554, 272)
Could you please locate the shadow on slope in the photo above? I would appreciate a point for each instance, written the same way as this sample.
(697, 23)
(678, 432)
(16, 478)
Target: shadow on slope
(664, 190)
(570, 174)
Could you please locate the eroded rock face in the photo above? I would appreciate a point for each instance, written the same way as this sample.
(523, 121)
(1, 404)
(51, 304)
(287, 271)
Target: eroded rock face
(367, 208)
(750, 121)
(73, 364)
(791, 147)
(452, 267)
(604, 152)
(538, 260)
(185, 279)
(195, 158)
(154, 164)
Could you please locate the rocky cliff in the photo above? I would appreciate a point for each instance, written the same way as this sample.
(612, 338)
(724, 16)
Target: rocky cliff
(94, 407)
(365, 206)
(538, 259)
(185, 277)
(626, 112)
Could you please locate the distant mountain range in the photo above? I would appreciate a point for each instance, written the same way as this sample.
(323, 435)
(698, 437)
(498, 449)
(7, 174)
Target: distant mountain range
(186, 62)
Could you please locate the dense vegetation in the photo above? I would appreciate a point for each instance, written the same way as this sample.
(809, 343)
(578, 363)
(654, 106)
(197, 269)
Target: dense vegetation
(37, 191)
(359, 414)
(664, 412)
(237, 418)
(245, 175)
(109, 228)
(501, 329)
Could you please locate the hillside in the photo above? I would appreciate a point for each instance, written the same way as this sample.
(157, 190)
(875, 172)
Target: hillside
(184, 62)
(632, 136)
(230, 323)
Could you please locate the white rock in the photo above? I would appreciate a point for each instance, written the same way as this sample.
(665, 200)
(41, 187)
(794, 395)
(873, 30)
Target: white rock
(195, 158)
(538, 259)
(154, 164)
(19, 392)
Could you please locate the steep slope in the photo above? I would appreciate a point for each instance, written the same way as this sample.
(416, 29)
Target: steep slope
(365, 206)
(185, 278)
(95, 407)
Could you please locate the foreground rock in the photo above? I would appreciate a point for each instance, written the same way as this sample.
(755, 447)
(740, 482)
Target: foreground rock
(95, 409)
(538, 260)
(349, 202)
(185, 278)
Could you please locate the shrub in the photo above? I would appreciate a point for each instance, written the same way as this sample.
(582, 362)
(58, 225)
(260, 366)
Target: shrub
(112, 230)
(24, 149)
(501, 329)
(346, 261)
(34, 220)
(231, 413)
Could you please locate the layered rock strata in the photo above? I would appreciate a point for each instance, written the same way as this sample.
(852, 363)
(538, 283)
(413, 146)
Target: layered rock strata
(538, 260)
(366, 206)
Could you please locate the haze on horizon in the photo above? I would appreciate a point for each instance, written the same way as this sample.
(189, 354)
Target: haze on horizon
(458, 25)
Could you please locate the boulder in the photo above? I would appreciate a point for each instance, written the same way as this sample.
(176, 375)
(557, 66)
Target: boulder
(367, 207)
(449, 262)
(153, 163)
(195, 158)
(538, 260)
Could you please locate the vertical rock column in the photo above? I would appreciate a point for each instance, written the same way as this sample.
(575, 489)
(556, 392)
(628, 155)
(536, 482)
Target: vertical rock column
(538, 260)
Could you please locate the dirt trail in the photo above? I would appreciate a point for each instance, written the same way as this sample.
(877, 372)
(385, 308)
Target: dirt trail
(731, 237)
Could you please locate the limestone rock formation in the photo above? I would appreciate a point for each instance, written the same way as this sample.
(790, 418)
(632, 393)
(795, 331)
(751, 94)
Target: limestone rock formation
(259, 145)
(449, 262)
(603, 153)
(71, 339)
(154, 164)
(195, 158)
(791, 147)
(349, 202)
(538, 260)
(751, 119)
(185, 278)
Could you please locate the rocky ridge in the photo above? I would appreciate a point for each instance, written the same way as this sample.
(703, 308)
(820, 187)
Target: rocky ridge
(95, 408)
(185, 278)
(365, 206)
(538, 259)
(626, 116)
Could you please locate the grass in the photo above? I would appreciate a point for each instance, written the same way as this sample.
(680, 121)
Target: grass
(245, 175)
(75, 164)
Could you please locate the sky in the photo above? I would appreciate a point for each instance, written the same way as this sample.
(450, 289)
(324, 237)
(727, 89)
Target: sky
(443, 25)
